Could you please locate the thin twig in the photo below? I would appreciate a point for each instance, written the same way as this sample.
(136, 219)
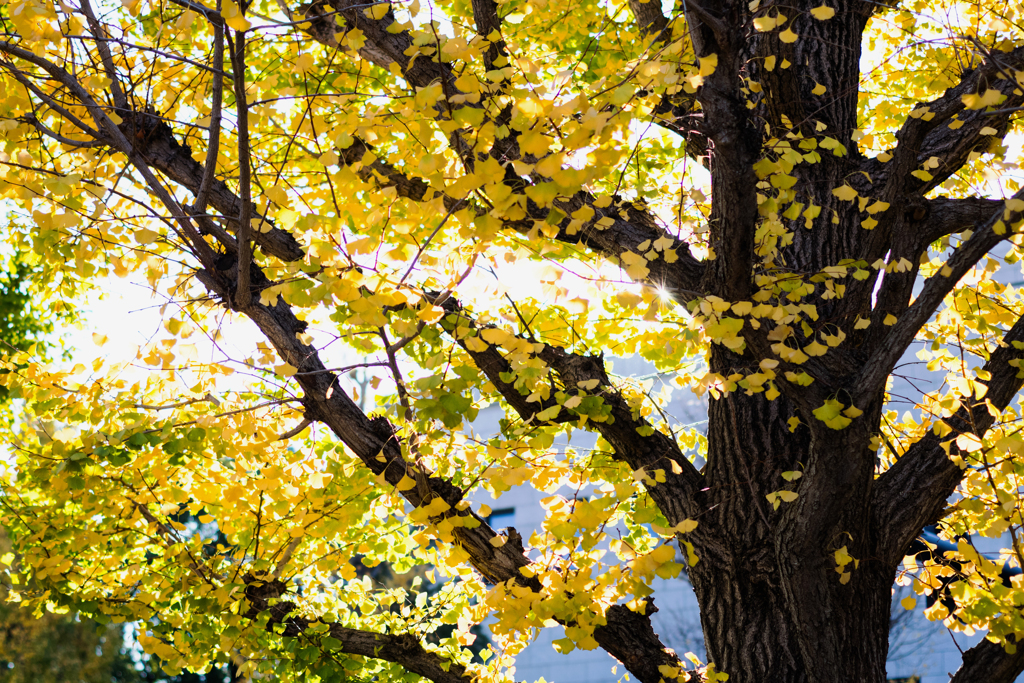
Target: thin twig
(215, 112)
(426, 243)
(120, 101)
(286, 556)
(296, 430)
(209, 397)
(242, 293)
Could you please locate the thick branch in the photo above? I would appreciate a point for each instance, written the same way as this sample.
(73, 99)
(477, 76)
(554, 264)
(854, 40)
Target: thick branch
(944, 216)
(681, 278)
(152, 145)
(915, 228)
(649, 17)
(634, 440)
(990, 662)
(244, 169)
(156, 142)
(186, 231)
(390, 50)
(404, 649)
(894, 342)
(929, 134)
(719, 32)
(913, 492)
(488, 25)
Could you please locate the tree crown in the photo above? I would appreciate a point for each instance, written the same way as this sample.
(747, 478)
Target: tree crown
(469, 203)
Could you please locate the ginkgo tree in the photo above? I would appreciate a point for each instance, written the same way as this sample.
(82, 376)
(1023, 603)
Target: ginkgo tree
(480, 202)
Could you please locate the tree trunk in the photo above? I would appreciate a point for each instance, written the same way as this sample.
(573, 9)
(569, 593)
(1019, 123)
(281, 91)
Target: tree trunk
(773, 605)
(750, 632)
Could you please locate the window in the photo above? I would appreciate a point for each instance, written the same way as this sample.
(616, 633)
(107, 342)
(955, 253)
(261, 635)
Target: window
(502, 517)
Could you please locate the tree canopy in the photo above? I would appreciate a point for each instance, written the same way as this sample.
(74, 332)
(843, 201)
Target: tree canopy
(481, 202)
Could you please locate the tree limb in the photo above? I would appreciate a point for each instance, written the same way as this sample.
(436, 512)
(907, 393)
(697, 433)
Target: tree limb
(164, 153)
(682, 278)
(990, 662)
(649, 18)
(944, 216)
(185, 229)
(634, 440)
(923, 222)
(736, 148)
(913, 492)
(928, 134)
(153, 144)
(893, 343)
(217, 86)
(402, 649)
(242, 293)
(102, 46)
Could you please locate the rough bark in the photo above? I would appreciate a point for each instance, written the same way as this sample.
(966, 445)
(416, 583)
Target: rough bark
(990, 662)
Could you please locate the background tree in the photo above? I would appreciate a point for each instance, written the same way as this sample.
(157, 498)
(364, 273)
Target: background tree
(25, 317)
(755, 185)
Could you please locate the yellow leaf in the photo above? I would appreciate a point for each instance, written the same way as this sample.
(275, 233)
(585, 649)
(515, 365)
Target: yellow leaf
(146, 236)
(431, 314)
(304, 62)
(285, 369)
(823, 13)
(981, 100)
(476, 345)
(815, 349)
(686, 526)
(765, 23)
(968, 443)
(708, 65)
(988, 130)
(378, 10)
(818, 89)
(495, 335)
(909, 602)
(845, 193)
(233, 16)
(890, 319)
(788, 36)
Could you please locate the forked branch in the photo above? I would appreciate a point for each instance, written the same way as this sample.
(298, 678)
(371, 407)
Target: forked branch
(895, 341)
